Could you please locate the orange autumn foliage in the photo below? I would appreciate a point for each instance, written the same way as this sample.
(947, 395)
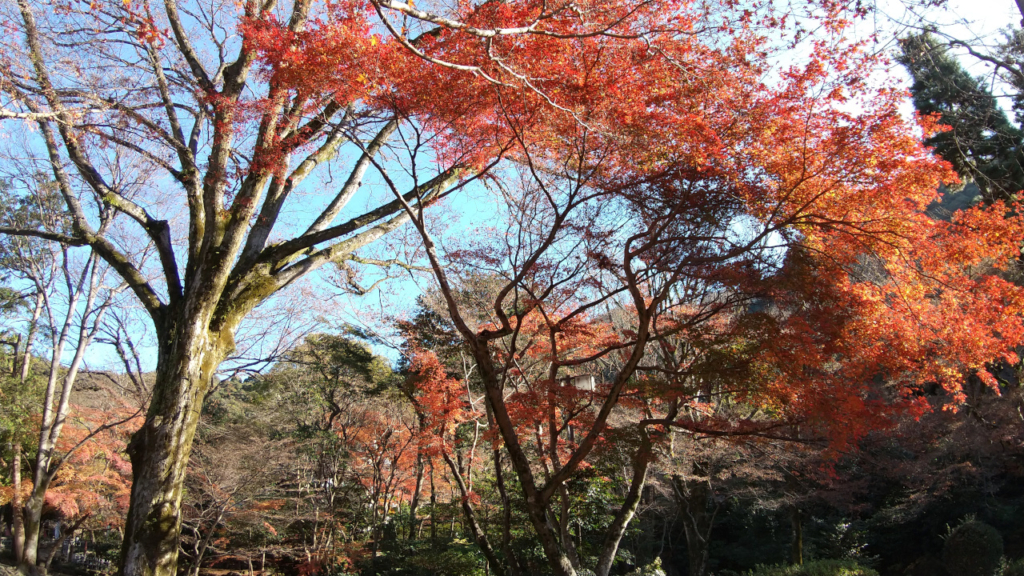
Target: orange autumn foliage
(439, 401)
(95, 480)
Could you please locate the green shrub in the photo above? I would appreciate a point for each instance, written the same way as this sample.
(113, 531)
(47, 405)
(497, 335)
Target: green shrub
(816, 568)
(652, 569)
(973, 549)
(425, 558)
(1014, 568)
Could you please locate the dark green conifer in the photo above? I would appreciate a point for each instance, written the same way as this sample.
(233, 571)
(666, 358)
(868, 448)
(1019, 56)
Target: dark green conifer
(983, 145)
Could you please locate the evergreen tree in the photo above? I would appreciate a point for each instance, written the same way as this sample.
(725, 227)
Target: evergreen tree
(982, 145)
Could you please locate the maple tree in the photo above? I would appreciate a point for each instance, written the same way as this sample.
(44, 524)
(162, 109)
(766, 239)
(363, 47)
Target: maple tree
(679, 204)
(780, 363)
(443, 404)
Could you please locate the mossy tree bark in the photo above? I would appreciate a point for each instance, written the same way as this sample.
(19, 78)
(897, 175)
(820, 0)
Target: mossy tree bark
(159, 451)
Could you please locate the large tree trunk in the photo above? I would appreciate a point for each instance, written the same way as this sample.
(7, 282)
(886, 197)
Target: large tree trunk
(546, 533)
(159, 451)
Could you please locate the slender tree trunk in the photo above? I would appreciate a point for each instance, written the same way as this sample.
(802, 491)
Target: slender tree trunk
(615, 532)
(17, 507)
(32, 514)
(33, 326)
(537, 504)
(159, 450)
(205, 542)
(374, 523)
(15, 354)
(514, 568)
(563, 529)
(433, 505)
(414, 503)
(57, 403)
(479, 536)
